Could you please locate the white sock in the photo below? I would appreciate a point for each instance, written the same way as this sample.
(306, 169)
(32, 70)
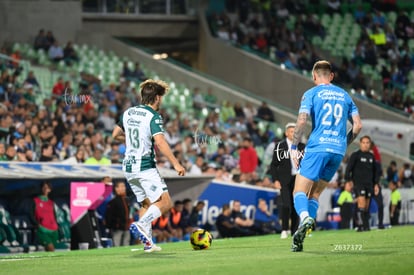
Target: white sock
(152, 213)
(303, 215)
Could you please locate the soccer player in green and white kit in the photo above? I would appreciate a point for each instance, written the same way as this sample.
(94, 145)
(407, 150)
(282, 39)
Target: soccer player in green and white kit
(141, 127)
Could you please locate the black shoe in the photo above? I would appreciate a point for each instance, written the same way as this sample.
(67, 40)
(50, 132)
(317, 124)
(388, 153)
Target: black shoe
(300, 234)
(360, 229)
(381, 227)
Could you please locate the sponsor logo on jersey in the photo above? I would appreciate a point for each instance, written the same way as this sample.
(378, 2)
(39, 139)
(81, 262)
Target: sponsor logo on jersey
(133, 122)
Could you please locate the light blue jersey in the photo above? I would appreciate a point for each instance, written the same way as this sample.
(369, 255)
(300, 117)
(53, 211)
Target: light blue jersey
(330, 107)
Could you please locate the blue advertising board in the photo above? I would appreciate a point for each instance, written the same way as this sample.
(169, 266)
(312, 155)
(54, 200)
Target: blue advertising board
(218, 193)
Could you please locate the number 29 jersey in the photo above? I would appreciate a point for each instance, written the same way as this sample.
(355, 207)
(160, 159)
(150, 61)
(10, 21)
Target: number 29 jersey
(329, 107)
(140, 124)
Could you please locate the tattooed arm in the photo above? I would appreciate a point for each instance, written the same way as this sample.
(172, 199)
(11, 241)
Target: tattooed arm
(297, 137)
(356, 128)
(299, 129)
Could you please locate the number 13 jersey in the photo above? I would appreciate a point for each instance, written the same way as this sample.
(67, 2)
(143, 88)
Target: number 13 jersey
(140, 124)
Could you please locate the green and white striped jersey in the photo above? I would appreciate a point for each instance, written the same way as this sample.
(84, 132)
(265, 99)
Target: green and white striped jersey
(140, 124)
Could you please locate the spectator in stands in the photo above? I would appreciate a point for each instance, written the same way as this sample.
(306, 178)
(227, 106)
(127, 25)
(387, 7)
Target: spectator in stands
(138, 74)
(78, 158)
(50, 38)
(98, 158)
(64, 148)
(44, 218)
(23, 153)
(56, 52)
(392, 172)
(171, 134)
(240, 219)
(227, 111)
(197, 166)
(3, 156)
(226, 226)
(175, 220)
(198, 99)
(161, 228)
(69, 54)
(29, 93)
(405, 176)
(40, 41)
(31, 79)
(15, 63)
(58, 88)
(210, 99)
(265, 113)
(248, 160)
(193, 219)
(185, 217)
(250, 111)
(265, 221)
(47, 153)
(395, 203)
(117, 215)
(11, 153)
(126, 71)
(346, 202)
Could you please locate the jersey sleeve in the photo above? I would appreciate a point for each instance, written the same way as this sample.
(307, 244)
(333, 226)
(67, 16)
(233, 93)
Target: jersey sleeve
(156, 125)
(306, 103)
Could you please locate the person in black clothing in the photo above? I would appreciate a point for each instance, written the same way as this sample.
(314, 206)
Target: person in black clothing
(117, 216)
(241, 220)
(193, 220)
(46, 152)
(284, 174)
(265, 113)
(361, 170)
(380, 202)
(226, 226)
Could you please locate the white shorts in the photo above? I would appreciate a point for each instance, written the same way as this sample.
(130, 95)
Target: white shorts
(147, 184)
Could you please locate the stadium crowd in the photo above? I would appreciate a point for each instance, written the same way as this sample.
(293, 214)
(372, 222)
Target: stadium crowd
(263, 26)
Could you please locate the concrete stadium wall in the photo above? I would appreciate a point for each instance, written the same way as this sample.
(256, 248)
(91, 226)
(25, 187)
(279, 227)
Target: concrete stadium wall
(141, 26)
(21, 20)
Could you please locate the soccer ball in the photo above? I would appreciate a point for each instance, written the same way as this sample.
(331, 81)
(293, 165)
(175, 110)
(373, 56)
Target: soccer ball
(200, 239)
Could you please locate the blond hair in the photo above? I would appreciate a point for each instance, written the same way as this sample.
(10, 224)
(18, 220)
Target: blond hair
(322, 68)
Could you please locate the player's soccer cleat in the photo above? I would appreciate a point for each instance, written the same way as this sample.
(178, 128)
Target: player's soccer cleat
(284, 234)
(152, 248)
(138, 232)
(309, 232)
(300, 234)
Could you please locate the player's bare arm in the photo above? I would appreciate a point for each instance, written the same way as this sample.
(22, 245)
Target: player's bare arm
(118, 134)
(166, 151)
(356, 129)
(300, 128)
(297, 136)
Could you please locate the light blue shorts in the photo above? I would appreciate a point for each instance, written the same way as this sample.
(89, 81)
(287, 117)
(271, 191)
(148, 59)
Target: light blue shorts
(319, 165)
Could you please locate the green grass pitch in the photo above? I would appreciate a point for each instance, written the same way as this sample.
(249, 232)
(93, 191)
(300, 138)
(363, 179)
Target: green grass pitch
(389, 251)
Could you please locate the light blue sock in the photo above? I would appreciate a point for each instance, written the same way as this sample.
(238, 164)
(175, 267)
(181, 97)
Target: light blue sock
(300, 201)
(313, 206)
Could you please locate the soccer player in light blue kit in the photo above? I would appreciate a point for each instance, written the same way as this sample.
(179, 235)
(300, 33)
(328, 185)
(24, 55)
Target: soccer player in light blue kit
(330, 107)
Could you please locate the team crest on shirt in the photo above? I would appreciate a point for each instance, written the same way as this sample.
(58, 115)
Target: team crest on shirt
(153, 188)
